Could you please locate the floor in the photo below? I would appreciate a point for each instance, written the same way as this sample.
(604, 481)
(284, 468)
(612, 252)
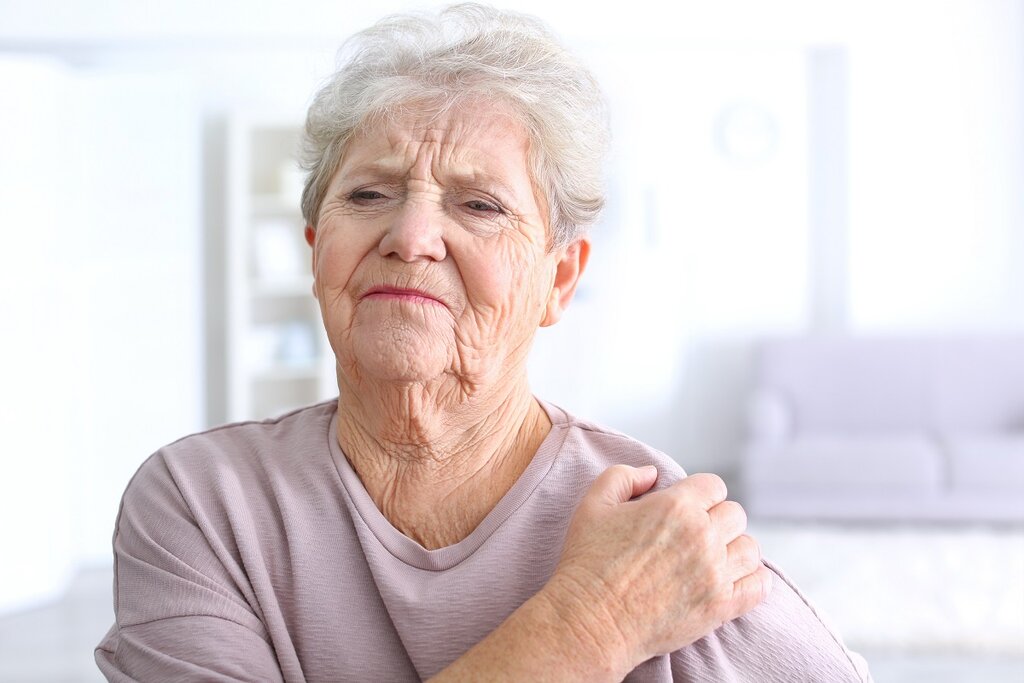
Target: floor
(54, 643)
(836, 567)
(922, 603)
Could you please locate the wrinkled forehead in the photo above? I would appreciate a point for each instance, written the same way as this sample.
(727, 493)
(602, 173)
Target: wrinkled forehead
(474, 139)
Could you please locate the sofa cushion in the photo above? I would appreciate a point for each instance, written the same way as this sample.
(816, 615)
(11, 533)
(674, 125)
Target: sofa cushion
(908, 463)
(849, 386)
(986, 463)
(977, 385)
(769, 418)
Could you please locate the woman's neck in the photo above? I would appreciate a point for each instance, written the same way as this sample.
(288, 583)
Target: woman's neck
(436, 464)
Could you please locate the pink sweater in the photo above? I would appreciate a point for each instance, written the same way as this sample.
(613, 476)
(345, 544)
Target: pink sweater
(252, 552)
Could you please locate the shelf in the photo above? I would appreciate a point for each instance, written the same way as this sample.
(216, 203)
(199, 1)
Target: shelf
(277, 353)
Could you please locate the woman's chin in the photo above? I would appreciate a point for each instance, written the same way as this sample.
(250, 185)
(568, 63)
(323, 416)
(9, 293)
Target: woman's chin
(403, 358)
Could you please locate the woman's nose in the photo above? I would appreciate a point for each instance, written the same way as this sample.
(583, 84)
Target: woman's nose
(415, 233)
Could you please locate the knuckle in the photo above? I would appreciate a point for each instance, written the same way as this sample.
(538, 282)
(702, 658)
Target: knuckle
(714, 484)
(754, 594)
(720, 582)
(618, 470)
(755, 547)
(678, 504)
(751, 557)
(740, 513)
(610, 477)
(734, 512)
(614, 470)
(746, 544)
(721, 602)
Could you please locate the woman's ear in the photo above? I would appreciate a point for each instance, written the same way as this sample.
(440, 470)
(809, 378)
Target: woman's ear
(311, 241)
(567, 276)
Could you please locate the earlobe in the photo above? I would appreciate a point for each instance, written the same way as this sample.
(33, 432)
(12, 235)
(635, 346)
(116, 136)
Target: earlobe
(567, 276)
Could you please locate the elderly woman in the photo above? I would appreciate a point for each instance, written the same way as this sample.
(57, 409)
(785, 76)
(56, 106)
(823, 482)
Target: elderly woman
(437, 520)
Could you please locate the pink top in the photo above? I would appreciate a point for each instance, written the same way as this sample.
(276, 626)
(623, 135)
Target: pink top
(253, 552)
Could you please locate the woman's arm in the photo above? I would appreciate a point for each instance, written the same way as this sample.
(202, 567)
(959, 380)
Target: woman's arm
(637, 578)
(546, 639)
(188, 648)
(180, 612)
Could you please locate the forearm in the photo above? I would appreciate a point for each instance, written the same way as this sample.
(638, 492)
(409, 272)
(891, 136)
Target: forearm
(547, 639)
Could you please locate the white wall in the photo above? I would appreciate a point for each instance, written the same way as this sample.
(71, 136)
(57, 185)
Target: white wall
(101, 305)
(937, 169)
(709, 177)
(35, 485)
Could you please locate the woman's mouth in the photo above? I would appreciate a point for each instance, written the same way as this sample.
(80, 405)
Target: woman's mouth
(402, 294)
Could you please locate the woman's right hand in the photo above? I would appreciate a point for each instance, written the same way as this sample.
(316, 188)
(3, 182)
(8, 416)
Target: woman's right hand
(654, 574)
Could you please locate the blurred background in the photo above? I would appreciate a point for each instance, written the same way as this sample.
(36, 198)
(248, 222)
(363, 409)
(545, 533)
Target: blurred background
(809, 279)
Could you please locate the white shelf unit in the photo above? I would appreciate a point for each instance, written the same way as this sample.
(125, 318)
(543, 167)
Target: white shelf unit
(277, 354)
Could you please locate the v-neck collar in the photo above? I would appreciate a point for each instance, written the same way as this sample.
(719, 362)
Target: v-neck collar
(411, 552)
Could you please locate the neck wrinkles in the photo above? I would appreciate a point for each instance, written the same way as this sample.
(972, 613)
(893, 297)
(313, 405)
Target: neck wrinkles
(435, 464)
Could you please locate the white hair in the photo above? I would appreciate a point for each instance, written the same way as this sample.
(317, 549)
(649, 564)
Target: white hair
(469, 52)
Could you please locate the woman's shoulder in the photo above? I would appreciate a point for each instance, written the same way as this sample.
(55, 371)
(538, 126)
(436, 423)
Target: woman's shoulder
(236, 459)
(303, 428)
(599, 446)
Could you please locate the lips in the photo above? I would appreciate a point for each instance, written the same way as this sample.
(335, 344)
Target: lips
(401, 294)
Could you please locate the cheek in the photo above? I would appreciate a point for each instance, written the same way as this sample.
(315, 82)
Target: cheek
(505, 287)
(490, 274)
(336, 256)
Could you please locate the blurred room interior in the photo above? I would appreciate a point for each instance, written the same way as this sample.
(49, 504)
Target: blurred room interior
(808, 280)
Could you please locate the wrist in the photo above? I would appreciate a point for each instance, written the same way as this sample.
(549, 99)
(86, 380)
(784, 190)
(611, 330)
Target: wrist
(590, 628)
(551, 637)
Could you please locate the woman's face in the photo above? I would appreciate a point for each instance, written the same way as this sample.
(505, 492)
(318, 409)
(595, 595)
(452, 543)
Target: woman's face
(430, 256)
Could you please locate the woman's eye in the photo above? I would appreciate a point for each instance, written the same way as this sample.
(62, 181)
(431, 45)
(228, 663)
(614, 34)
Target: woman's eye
(482, 206)
(365, 195)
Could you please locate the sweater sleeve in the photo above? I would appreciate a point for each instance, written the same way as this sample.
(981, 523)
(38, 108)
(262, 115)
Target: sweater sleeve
(183, 610)
(783, 640)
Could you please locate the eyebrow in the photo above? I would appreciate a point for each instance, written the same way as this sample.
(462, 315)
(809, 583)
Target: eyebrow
(391, 173)
(480, 177)
(378, 169)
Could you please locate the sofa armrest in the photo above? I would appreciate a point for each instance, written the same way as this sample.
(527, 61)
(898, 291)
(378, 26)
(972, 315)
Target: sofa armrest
(769, 417)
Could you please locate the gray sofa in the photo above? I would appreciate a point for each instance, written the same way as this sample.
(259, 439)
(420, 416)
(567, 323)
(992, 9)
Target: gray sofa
(887, 428)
